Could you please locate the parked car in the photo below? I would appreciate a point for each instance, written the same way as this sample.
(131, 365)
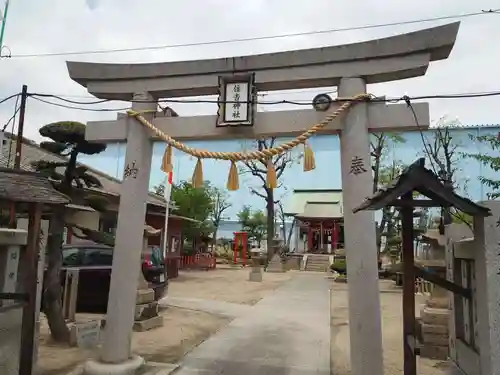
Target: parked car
(94, 262)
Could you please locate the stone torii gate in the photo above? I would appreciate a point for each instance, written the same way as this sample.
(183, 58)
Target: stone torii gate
(350, 67)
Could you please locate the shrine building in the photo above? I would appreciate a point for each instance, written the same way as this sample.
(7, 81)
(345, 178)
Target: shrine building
(319, 220)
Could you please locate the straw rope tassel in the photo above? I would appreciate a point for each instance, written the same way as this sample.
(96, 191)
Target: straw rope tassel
(197, 180)
(309, 162)
(271, 179)
(233, 182)
(166, 162)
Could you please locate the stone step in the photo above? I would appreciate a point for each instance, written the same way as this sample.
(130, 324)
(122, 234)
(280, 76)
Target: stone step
(146, 325)
(435, 339)
(434, 352)
(316, 269)
(434, 316)
(434, 329)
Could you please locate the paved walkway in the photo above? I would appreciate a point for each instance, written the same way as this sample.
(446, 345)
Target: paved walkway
(287, 332)
(232, 310)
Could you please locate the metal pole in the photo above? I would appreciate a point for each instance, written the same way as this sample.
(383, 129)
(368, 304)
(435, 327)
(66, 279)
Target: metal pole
(4, 21)
(20, 129)
(19, 145)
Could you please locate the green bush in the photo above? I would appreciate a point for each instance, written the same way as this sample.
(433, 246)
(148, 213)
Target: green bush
(339, 265)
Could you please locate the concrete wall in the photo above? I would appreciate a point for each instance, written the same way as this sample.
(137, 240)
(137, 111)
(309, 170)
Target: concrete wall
(10, 339)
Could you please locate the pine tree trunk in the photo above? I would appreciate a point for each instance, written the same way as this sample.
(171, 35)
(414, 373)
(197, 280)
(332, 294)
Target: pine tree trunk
(52, 284)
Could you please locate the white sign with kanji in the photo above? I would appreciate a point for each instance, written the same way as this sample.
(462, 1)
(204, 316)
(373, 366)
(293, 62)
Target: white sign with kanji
(236, 101)
(236, 106)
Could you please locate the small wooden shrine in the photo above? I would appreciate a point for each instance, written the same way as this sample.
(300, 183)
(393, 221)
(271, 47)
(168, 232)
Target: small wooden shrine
(400, 193)
(26, 193)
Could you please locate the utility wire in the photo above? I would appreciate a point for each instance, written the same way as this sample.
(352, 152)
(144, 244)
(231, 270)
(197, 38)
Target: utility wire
(268, 37)
(9, 97)
(428, 153)
(17, 108)
(13, 120)
(271, 93)
(80, 108)
(305, 102)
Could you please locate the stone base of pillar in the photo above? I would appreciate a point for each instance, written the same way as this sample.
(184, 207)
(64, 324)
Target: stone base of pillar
(255, 275)
(130, 367)
(146, 311)
(434, 330)
(276, 265)
(148, 324)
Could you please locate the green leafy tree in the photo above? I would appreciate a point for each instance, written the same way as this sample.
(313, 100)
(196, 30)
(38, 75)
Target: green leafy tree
(194, 203)
(490, 160)
(68, 141)
(254, 222)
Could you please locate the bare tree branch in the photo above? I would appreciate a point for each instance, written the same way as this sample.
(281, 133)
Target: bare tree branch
(254, 191)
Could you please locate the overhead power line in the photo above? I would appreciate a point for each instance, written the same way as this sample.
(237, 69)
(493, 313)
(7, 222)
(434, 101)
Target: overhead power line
(257, 38)
(86, 105)
(306, 102)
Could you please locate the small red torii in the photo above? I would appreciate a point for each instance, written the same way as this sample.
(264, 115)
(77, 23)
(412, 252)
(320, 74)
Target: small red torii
(240, 240)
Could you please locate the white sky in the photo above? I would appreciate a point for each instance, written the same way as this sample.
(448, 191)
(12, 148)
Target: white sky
(36, 26)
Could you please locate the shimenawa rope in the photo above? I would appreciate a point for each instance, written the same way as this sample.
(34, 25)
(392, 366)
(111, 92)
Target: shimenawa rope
(263, 155)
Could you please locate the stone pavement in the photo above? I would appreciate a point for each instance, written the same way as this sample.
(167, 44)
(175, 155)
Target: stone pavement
(228, 309)
(287, 332)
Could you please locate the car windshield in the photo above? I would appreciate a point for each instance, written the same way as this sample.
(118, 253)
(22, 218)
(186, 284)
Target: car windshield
(71, 257)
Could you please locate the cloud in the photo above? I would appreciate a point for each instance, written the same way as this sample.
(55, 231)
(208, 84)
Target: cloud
(60, 25)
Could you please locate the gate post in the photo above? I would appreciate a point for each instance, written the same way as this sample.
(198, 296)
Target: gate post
(360, 245)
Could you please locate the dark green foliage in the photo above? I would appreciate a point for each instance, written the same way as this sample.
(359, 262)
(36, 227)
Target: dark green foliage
(193, 203)
(94, 235)
(253, 222)
(54, 147)
(491, 160)
(71, 134)
(339, 265)
(97, 202)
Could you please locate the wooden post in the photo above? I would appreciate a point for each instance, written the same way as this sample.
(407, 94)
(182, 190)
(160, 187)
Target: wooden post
(30, 267)
(309, 238)
(335, 235)
(409, 340)
(244, 244)
(235, 247)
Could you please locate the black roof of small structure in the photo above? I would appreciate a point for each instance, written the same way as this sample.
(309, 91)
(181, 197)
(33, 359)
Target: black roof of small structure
(418, 178)
(28, 187)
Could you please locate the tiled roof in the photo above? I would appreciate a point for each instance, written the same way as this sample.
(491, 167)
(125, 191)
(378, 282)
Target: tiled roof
(29, 187)
(32, 152)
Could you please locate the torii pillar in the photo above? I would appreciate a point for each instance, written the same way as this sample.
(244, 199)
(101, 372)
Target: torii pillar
(350, 67)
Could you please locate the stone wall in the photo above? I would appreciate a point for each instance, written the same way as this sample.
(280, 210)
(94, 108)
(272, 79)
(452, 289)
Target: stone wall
(10, 339)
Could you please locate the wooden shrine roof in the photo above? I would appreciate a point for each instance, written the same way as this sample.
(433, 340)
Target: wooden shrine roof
(420, 179)
(28, 187)
(321, 211)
